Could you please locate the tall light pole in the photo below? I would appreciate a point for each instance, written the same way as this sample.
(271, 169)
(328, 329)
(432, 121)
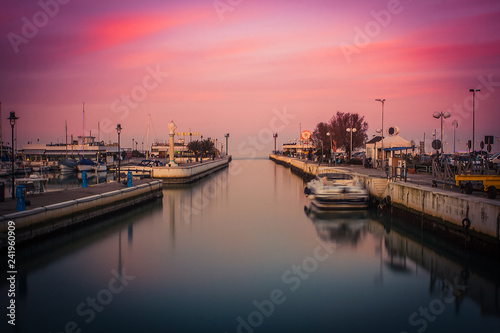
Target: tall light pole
(275, 135)
(351, 129)
(119, 130)
(382, 100)
(331, 145)
(455, 125)
(12, 118)
(442, 115)
(473, 91)
(226, 136)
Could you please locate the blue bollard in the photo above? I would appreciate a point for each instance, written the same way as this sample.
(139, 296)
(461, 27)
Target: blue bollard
(129, 179)
(20, 193)
(84, 179)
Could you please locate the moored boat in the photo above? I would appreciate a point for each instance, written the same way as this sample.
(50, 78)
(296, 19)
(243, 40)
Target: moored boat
(68, 165)
(336, 191)
(85, 164)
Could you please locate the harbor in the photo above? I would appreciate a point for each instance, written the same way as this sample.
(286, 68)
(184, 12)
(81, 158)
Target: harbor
(228, 264)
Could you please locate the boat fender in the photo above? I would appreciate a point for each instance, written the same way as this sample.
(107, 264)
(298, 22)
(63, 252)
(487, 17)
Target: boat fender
(466, 223)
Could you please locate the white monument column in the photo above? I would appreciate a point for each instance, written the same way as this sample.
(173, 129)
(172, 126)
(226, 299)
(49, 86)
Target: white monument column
(171, 128)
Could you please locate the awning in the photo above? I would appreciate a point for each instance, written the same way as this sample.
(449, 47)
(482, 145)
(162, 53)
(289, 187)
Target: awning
(397, 148)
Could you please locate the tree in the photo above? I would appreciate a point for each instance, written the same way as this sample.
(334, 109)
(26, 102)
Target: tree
(320, 139)
(201, 148)
(339, 124)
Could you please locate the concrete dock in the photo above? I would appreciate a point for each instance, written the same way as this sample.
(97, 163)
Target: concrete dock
(50, 211)
(189, 172)
(443, 208)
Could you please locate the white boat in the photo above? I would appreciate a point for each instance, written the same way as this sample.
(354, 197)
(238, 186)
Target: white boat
(336, 191)
(100, 167)
(142, 169)
(68, 165)
(85, 165)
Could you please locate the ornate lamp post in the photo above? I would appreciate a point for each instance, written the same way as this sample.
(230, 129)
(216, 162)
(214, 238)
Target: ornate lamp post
(171, 128)
(12, 118)
(442, 115)
(275, 135)
(226, 136)
(473, 91)
(382, 100)
(328, 134)
(351, 129)
(455, 125)
(119, 130)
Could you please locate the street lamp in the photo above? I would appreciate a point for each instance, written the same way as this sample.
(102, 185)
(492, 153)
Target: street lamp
(226, 136)
(455, 125)
(119, 130)
(12, 118)
(331, 145)
(382, 100)
(442, 115)
(351, 129)
(473, 91)
(275, 135)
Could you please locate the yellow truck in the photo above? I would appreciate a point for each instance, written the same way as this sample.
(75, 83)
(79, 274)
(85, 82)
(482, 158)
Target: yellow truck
(490, 183)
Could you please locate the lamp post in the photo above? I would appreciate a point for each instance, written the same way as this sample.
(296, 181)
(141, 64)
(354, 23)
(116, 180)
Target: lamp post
(473, 91)
(442, 115)
(455, 125)
(331, 144)
(351, 129)
(171, 128)
(382, 100)
(226, 136)
(275, 135)
(119, 130)
(12, 118)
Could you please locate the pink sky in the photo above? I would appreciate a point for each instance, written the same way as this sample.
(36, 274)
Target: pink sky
(234, 70)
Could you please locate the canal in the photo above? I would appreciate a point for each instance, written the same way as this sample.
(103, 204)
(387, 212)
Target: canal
(239, 251)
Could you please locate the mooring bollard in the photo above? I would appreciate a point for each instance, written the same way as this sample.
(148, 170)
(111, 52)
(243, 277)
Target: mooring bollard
(21, 197)
(84, 179)
(129, 179)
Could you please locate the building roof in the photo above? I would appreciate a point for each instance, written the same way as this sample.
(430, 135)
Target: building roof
(375, 139)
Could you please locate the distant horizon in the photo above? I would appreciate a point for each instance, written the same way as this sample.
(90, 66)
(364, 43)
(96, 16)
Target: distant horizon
(248, 68)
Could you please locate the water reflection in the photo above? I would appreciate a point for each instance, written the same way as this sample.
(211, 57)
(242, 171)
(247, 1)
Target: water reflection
(338, 226)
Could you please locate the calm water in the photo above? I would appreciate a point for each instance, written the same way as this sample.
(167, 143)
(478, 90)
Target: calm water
(236, 252)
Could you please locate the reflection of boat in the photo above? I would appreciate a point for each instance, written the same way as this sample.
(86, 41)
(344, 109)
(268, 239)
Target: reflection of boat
(142, 169)
(338, 226)
(68, 165)
(336, 191)
(101, 176)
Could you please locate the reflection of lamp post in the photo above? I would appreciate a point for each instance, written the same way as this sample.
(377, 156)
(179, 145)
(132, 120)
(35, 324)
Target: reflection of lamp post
(119, 130)
(171, 128)
(473, 91)
(455, 125)
(275, 135)
(351, 129)
(382, 100)
(12, 118)
(226, 136)
(442, 115)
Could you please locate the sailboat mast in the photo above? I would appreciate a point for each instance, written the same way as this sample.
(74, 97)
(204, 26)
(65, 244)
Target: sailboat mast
(66, 133)
(147, 139)
(83, 130)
